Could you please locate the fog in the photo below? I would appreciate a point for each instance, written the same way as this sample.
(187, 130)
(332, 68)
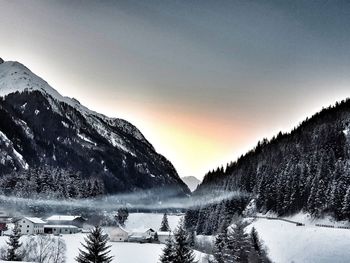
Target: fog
(139, 201)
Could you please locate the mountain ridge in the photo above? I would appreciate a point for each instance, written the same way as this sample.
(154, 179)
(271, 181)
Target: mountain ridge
(40, 127)
(307, 169)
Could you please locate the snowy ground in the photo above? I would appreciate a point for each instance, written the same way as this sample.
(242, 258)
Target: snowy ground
(124, 252)
(139, 221)
(127, 252)
(290, 243)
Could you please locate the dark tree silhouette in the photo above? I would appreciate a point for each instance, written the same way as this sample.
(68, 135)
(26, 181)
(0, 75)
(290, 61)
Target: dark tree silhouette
(96, 248)
(14, 245)
(164, 226)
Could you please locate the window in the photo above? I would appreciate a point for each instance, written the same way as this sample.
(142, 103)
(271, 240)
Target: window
(27, 225)
(24, 221)
(27, 231)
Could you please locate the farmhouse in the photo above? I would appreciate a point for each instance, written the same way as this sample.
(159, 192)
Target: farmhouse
(30, 225)
(60, 229)
(163, 237)
(117, 234)
(144, 235)
(77, 221)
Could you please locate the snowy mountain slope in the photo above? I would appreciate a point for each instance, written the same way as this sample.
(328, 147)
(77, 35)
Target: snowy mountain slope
(39, 127)
(191, 181)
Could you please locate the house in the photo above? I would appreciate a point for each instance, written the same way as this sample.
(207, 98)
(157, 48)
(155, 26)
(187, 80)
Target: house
(77, 221)
(30, 225)
(142, 235)
(60, 229)
(117, 234)
(164, 236)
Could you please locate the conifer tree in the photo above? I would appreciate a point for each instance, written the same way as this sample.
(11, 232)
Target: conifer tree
(182, 250)
(165, 224)
(96, 248)
(14, 245)
(258, 253)
(220, 243)
(168, 252)
(346, 204)
(238, 244)
(191, 239)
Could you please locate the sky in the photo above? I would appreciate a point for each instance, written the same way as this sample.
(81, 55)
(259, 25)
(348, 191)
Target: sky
(204, 81)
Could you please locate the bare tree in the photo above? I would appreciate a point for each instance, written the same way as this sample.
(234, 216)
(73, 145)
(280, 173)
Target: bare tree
(45, 249)
(59, 251)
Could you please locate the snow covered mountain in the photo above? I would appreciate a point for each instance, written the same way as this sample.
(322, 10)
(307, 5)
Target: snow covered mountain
(41, 128)
(191, 181)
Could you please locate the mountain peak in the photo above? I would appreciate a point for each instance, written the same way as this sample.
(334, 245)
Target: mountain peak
(41, 128)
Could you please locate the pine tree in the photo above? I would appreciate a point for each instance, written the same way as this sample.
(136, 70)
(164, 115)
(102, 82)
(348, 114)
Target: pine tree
(258, 252)
(168, 252)
(255, 241)
(13, 253)
(220, 243)
(122, 216)
(96, 248)
(346, 204)
(165, 224)
(182, 250)
(191, 239)
(238, 244)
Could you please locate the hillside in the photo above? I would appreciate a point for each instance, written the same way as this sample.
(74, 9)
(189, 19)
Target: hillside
(41, 131)
(307, 170)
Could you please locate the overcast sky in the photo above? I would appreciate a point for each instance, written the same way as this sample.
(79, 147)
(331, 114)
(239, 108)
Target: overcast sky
(202, 80)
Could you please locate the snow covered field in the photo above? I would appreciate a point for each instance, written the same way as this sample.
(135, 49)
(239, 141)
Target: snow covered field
(127, 252)
(123, 252)
(139, 221)
(290, 243)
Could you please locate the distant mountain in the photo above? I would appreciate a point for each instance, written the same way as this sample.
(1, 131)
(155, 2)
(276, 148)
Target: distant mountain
(191, 181)
(42, 131)
(306, 170)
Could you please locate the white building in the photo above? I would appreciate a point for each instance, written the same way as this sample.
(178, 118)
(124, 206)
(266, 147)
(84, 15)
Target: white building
(30, 225)
(117, 234)
(164, 236)
(142, 235)
(77, 221)
(60, 229)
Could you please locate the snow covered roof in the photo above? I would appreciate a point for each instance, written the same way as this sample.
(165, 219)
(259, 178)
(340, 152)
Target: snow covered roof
(35, 220)
(62, 218)
(60, 226)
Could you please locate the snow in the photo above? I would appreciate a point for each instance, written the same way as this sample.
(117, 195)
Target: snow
(140, 221)
(287, 242)
(123, 252)
(61, 218)
(84, 138)
(35, 220)
(15, 77)
(17, 155)
(65, 124)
